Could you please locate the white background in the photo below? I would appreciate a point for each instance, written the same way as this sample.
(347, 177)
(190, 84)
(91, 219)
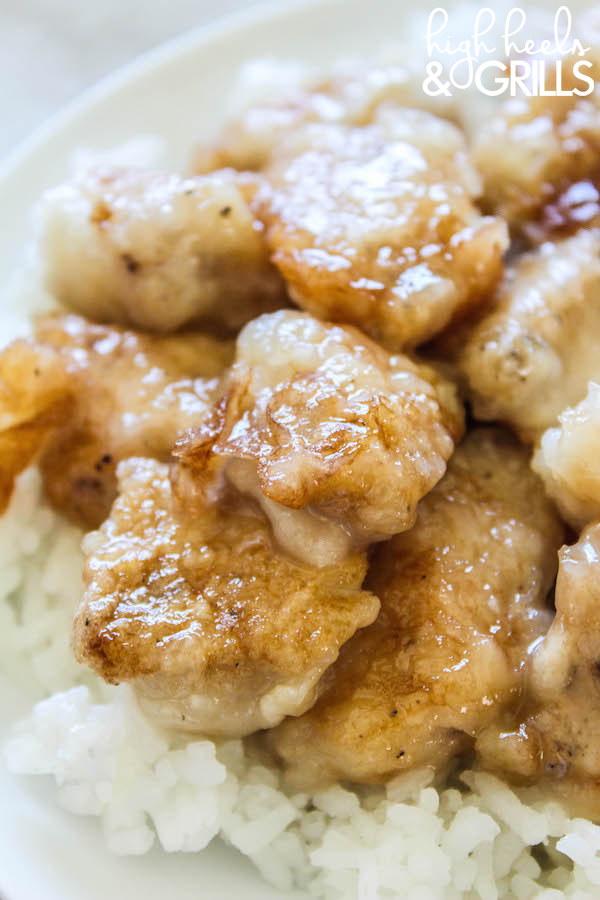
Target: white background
(50, 50)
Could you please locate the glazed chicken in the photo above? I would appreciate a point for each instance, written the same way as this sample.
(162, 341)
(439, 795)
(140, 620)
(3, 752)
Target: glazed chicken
(192, 602)
(463, 597)
(82, 396)
(156, 251)
(335, 438)
(287, 530)
(533, 354)
(376, 226)
(538, 157)
(568, 461)
(559, 739)
(35, 400)
(351, 95)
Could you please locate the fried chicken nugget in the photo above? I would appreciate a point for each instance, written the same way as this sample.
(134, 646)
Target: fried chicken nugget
(534, 352)
(79, 397)
(156, 251)
(376, 226)
(556, 737)
(463, 596)
(568, 462)
(336, 438)
(538, 156)
(35, 399)
(352, 95)
(192, 603)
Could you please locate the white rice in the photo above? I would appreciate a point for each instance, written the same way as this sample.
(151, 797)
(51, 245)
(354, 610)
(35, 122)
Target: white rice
(411, 840)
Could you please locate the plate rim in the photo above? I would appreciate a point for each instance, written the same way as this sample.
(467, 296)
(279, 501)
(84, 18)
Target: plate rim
(149, 61)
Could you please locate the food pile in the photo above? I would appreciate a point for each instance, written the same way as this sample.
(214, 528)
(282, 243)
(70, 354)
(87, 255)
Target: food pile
(325, 409)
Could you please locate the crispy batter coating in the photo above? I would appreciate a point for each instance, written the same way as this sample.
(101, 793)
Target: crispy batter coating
(85, 396)
(539, 156)
(351, 95)
(35, 399)
(376, 226)
(568, 461)
(156, 251)
(336, 429)
(558, 737)
(462, 598)
(192, 603)
(535, 352)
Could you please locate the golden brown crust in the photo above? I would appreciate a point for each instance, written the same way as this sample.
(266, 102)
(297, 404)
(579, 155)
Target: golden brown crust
(35, 399)
(352, 94)
(533, 353)
(101, 394)
(463, 596)
(193, 603)
(376, 226)
(332, 422)
(556, 737)
(538, 156)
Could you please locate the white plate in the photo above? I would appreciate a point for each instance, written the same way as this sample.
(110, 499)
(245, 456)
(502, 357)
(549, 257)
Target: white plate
(179, 92)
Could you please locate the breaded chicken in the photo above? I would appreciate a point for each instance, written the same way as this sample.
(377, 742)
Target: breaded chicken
(193, 604)
(463, 596)
(568, 461)
(575, 206)
(351, 95)
(35, 400)
(539, 155)
(82, 396)
(156, 251)
(558, 737)
(536, 350)
(376, 226)
(337, 439)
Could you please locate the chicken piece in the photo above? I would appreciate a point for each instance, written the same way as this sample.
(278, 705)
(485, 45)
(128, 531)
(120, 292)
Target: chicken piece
(85, 396)
(336, 439)
(192, 603)
(376, 226)
(351, 95)
(537, 153)
(568, 462)
(558, 738)
(35, 399)
(535, 352)
(462, 599)
(575, 206)
(156, 251)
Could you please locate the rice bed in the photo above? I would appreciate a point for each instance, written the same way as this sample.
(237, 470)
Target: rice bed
(409, 840)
